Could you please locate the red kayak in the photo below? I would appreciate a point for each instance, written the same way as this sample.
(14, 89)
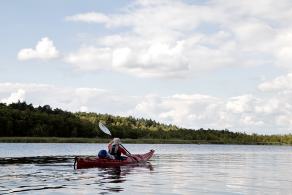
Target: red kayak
(89, 162)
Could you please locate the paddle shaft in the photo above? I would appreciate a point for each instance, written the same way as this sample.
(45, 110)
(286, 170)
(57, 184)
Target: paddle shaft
(125, 149)
(129, 153)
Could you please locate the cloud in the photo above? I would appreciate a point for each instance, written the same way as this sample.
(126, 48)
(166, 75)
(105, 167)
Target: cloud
(245, 113)
(14, 97)
(193, 111)
(89, 17)
(44, 50)
(179, 39)
(158, 60)
(240, 104)
(284, 120)
(83, 109)
(270, 106)
(250, 121)
(90, 58)
(280, 83)
(73, 99)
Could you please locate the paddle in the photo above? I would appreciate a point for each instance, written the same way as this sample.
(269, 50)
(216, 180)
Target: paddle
(104, 129)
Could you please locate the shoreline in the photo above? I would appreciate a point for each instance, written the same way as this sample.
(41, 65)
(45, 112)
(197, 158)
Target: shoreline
(126, 140)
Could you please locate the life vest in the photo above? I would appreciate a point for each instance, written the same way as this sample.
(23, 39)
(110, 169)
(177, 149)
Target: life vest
(114, 150)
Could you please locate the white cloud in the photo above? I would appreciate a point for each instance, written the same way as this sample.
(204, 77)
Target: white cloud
(73, 99)
(246, 113)
(280, 83)
(44, 50)
(178, 39)
(147, 107)
(250, 121)
(192, 111)
(271, 106)
(284, 121)
(83, 109)
(19, 95)
(89, 17)
(90, 58)
(158, 60)
(122, 57)
(240, 104)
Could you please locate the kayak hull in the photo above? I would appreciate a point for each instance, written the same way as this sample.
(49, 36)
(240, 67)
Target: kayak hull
(93, 161)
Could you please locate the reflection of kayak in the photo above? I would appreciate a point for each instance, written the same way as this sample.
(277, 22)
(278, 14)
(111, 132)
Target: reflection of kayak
(88, 162)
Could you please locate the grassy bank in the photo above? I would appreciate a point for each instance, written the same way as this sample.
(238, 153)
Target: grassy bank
(103, 140)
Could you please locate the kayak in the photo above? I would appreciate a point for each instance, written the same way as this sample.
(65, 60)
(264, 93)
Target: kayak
(94, 161)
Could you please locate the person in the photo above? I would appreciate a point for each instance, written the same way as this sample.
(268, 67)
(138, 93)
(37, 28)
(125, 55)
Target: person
(116, 149)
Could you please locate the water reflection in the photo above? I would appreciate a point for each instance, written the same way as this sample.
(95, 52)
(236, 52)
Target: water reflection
(111, 178)
(50, 174)
(36, 160)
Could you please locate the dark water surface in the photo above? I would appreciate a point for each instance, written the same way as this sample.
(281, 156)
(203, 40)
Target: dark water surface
(175, 169)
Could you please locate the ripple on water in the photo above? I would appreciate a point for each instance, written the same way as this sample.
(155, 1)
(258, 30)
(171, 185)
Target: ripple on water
(201, 170)
(56, 173)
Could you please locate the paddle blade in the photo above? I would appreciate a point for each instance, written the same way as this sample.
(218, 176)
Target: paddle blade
(104, 128)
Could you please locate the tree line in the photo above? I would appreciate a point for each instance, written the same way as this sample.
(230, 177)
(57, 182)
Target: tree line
(22, 119)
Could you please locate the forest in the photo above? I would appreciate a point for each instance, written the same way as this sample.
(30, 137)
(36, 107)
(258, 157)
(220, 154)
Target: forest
(24, 120)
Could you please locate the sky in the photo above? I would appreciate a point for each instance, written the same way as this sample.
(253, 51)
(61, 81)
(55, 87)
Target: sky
(217, 64)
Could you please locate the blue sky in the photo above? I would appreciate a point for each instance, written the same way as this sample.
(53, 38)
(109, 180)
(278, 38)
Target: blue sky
(196, 64)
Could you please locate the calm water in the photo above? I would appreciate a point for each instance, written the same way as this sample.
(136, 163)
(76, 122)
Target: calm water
(175, 169)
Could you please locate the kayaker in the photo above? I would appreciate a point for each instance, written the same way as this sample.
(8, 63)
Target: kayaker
(115, 149)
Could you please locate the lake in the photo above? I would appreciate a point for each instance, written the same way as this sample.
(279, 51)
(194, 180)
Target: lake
(175, 169)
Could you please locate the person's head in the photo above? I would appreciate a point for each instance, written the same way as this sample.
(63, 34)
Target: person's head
(116, 141)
